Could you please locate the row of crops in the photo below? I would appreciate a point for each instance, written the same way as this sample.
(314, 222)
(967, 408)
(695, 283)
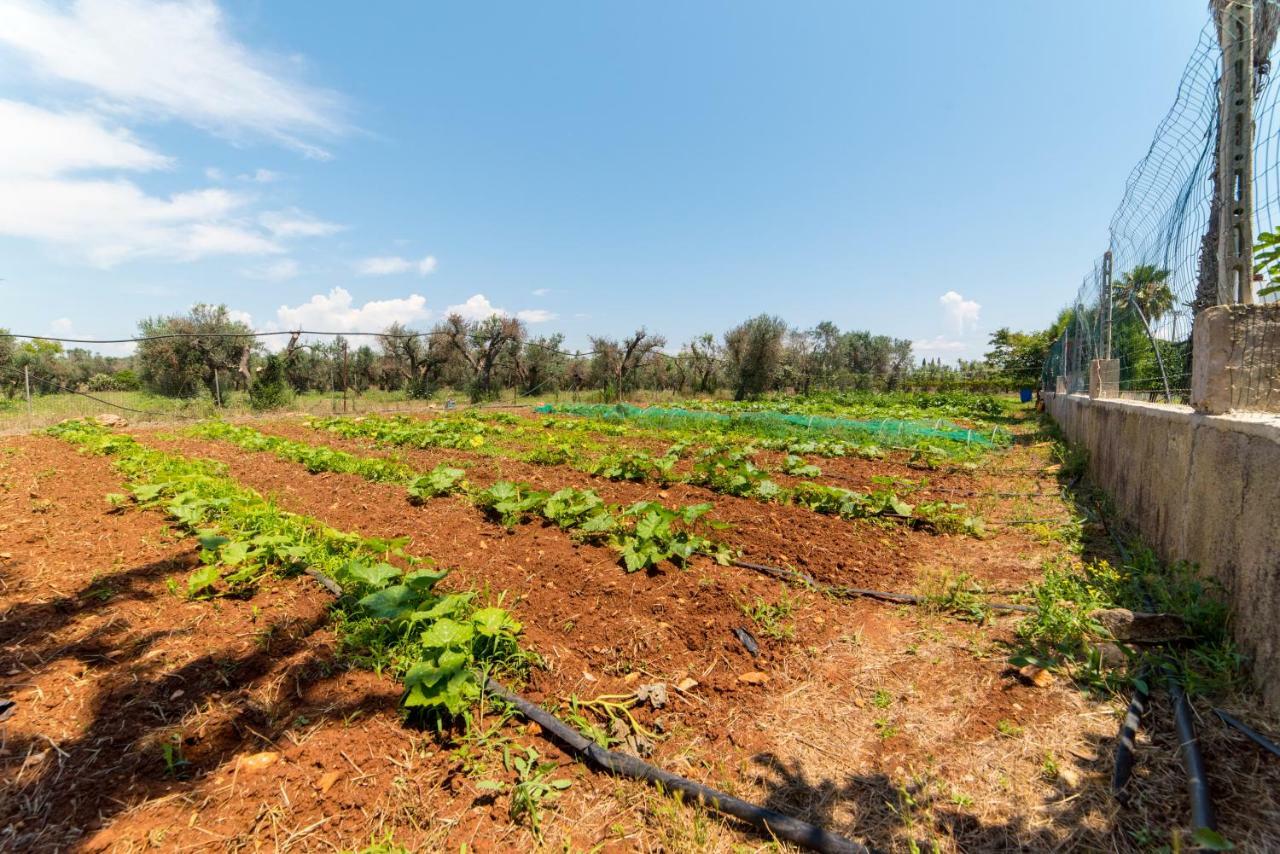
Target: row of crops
(723, 467)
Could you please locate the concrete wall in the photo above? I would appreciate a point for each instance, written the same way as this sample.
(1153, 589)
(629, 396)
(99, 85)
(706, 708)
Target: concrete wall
(1202, 488)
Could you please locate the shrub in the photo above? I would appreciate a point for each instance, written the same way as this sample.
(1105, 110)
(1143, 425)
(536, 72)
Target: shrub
(269, 390)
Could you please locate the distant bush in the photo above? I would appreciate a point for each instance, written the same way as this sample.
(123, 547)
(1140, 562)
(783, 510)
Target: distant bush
(269, 389)
(125, 380)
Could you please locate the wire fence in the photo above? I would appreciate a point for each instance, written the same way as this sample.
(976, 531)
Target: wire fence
(1161, 263)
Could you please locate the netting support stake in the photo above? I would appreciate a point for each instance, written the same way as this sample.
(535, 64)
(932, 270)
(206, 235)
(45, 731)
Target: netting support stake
(26, 379)
(1235, 154)
(1106, 304)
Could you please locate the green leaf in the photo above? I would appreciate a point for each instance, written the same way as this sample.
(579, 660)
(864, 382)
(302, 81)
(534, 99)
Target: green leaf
(211, 540)
(390, 603)
(494, 621)
(446, 632)
(234, 553)
(201, 580)
(423, 580)
(1211, 840)
(376, 576)
(899, 506)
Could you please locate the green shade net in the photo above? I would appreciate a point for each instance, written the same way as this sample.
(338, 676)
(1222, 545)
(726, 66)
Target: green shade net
(773, 422)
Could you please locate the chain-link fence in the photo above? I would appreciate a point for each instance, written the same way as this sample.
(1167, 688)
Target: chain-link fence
(1137, 304)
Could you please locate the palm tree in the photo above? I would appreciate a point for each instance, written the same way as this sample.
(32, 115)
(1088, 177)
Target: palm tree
(1146, 288)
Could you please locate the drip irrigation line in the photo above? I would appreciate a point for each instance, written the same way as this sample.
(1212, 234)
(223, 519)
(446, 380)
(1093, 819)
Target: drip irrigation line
(1192, 761)
(620, 764)
(773, 824)
(1126, 740)
(855, 592)
(1255, 736)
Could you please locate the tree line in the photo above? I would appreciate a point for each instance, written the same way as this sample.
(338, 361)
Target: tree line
(205, 351)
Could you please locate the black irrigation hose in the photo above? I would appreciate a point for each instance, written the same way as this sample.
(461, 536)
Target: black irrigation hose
(773, 824)
(1255, 736)
(1192, 761)
(854, 592)
(1125, 741)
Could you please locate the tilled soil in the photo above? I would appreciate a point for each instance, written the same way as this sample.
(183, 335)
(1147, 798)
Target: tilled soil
(146, 720)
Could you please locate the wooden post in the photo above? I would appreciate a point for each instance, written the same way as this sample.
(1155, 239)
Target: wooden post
(1235, 154)
(26, 378)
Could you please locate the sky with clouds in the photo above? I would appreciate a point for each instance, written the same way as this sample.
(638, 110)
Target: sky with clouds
(586, 168)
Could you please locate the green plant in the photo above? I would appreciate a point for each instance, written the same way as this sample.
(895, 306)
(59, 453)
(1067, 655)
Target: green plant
(882, 699)
(510, 503)
(659, 533)
(797, 467)
(441, 480)
(771, 617)
(534, 787)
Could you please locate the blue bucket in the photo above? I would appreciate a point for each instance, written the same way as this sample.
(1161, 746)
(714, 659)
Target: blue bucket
(1024, 394)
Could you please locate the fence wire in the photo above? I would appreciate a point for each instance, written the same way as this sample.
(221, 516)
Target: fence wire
(1157, 241)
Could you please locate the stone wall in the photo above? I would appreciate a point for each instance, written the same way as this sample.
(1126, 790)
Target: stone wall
(1202, 488)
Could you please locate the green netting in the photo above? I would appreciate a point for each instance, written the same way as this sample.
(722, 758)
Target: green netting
(882, 429)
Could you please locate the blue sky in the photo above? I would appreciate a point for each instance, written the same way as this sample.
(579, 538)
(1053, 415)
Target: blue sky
(929, 170)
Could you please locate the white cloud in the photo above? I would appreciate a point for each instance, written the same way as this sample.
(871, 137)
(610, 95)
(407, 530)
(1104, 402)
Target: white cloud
(175, 59)
(213, 173)
(38, 142)
(535, 315)
(238, 316)
(260, 176)
(390, 265)
(541, 292)
(108, 222)
(940, 344)
(296, 223)
(963, 313)
(62, 327)
(336, 312)
(477, 307)
(276, 271)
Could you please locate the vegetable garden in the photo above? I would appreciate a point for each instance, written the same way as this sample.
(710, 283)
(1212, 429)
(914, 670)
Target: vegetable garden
(829, 623)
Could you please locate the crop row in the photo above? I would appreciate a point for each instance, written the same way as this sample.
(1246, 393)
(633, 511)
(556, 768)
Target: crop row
(723, 469)
(439, 643)
(644, 534)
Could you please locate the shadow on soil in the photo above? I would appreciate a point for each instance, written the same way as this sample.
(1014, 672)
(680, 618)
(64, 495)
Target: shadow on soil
(890, 816)
(57, 794)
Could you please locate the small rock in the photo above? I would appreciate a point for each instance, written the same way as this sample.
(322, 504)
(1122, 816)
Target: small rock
(654, 693)
(753, 677)
(259, 761)
(1069, 776)
(1112, 655)
(112, 420)
(1137, 627)
(326, 782)
(687, 684)
(631, 677)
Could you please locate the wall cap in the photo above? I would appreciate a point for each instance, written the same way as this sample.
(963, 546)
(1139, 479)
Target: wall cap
(1263, 425)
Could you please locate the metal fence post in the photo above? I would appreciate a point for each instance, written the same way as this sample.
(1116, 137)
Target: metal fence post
(1235, 154)
(26, 378)
(1108, 301)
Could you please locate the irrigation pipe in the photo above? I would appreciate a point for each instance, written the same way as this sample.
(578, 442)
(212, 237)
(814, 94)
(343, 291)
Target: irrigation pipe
(773, 824)
(1125, 741)
(856, 592)
(1255, 736)
(620, 764)
(1192, 761)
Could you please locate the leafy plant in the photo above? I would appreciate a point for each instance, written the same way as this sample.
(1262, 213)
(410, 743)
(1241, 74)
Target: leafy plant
(510, 503)
(441, 480)
(533, 788)
(659, 533)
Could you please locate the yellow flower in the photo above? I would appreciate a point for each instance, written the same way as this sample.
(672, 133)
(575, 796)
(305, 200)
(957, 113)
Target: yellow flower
(477, 440)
